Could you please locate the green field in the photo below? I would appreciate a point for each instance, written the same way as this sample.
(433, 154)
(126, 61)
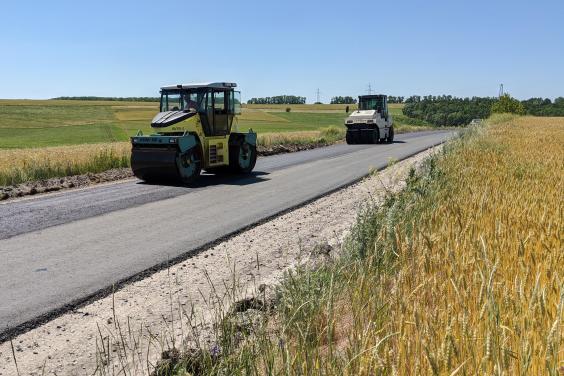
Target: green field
(41, 123)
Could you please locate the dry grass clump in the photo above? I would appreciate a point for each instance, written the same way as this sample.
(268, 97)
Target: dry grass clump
(327, 135)
(267, 139)
(24, 165)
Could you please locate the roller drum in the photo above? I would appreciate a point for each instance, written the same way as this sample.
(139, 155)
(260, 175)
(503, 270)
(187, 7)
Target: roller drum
(154, 164)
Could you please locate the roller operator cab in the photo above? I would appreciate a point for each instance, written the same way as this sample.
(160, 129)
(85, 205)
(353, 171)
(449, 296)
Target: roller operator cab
(193, 131)
(371, 123)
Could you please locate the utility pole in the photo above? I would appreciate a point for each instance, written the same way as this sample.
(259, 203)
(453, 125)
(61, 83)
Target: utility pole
(369, 89)
(318, 96)
(501, 92)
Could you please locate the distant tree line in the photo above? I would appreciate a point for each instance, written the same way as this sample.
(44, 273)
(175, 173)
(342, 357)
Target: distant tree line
(393, 99)
(544, 107)
(343, 100)
(446, 110)
(350, 100)
(116, 99)
(280, 99)
(413, 99)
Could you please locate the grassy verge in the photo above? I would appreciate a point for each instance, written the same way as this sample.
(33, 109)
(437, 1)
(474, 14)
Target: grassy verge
(457, 274)
(324, 136)
(25, 165)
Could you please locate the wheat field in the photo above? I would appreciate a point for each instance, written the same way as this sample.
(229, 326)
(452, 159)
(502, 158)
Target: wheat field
(24, 165)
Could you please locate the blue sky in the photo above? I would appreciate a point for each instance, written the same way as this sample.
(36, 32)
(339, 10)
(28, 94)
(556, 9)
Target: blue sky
(131, 48)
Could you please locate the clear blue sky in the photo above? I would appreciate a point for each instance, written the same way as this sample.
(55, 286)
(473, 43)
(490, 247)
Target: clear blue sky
(131, 48)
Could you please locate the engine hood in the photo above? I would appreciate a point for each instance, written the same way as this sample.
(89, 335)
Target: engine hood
(362, 115)
(165, 119)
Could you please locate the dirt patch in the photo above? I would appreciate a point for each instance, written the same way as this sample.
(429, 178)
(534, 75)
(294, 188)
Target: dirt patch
(67, 182)
(180, 306)
(80, 181)
(287, 148)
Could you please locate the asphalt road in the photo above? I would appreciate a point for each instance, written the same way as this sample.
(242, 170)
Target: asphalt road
(58, 249)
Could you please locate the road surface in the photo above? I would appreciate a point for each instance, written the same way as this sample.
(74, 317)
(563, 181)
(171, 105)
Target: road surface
(60, 249)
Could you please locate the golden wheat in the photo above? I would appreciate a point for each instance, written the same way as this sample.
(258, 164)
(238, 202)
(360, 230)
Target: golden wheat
(267, 139)
(21, 165)
(58, 154)
(480, 284)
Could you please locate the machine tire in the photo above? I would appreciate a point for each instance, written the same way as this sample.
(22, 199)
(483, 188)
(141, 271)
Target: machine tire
(350, 138)
(390, 138)
(374, 137)
(242, 158)
(190, 165)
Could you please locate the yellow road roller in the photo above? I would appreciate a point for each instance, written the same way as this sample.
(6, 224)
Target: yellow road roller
(193, 132)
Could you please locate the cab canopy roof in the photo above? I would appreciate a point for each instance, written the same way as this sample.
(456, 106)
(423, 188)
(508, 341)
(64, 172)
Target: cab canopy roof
(372, 96)
(212, 85)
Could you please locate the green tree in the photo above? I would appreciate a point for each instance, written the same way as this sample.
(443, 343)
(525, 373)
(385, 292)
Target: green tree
(507, 104)
(343, 100)
(280, 99)
(446, 110)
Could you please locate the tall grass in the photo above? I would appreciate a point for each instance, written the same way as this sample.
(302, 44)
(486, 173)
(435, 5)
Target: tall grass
(460, 273)
(26, 165)
(327, 135)
(323, 136)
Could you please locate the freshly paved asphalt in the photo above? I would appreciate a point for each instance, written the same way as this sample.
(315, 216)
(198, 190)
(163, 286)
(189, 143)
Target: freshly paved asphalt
(58, 249)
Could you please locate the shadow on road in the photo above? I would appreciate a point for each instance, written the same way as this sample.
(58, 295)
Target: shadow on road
(207, 180)
(378, 144)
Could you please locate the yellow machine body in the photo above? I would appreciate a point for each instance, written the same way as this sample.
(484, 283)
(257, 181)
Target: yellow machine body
(215, 149)
(193, 131)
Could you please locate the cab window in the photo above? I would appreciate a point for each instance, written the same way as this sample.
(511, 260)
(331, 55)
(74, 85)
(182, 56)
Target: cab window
(220, 115)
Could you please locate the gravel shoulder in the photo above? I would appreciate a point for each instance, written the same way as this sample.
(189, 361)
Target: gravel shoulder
(151, 314)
